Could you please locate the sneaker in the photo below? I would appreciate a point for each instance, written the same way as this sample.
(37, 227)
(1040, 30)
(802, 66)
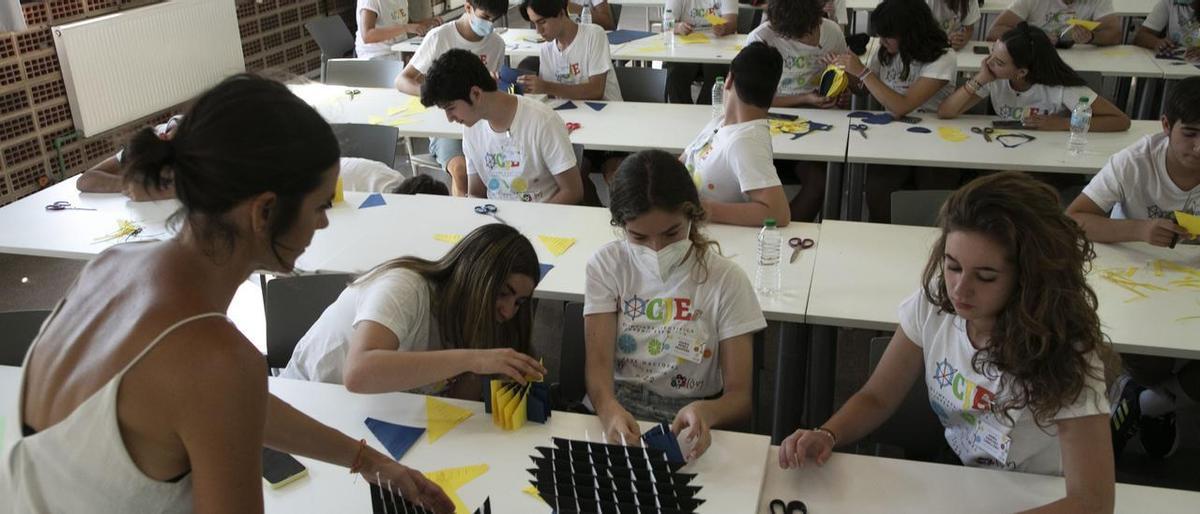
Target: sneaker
(1126, 412)
(1158, 435)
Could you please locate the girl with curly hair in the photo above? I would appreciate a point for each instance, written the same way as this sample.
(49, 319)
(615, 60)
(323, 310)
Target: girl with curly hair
(1005, 333)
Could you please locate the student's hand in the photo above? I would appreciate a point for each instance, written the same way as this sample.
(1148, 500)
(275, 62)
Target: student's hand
(1046, 122)
(724, 29)
(958, 39)
(984, 75)
(532, 84)
(1080, 34)
(699, 435)
(683, 29)
(818, 100)
(419, 29)
(506, 361)
(1161, 232)
(1192, 54)
(805, 446)
(848, 61)
(410, 483)
(138, 193)
(618, 423)
(1163, 45)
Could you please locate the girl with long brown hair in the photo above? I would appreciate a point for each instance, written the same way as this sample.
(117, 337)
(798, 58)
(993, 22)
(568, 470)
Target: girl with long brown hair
(1005, 333)
(412, 324)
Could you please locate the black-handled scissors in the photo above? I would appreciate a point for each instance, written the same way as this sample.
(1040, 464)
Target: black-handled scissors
(860, 128)
(797, 244)
(353, 93)
(777, 506)
(488, 209)
(63, 205)
(986, 132)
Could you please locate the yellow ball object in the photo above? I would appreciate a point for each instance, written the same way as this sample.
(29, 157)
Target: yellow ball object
(833, 81)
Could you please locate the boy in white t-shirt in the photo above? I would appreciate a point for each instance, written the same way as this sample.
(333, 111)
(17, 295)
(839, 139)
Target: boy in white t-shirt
(516, 148)
(473, 31)
(691, 16)
(574, 61)
(1053, 16)
(1147, 183)
(383, 23)
(669, 321)
(731, 160)
(1173, 27)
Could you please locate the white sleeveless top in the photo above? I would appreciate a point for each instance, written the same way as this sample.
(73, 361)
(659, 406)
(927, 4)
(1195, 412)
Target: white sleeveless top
(80, 464)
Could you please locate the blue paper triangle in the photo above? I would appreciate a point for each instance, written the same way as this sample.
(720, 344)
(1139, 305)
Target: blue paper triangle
(662, 438)
(396, 438)
(543, 269)
(566, 105)
(619, 36)
(374, 200)
(596, 105)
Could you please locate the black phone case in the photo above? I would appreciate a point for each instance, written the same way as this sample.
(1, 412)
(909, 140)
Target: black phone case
(278, 466)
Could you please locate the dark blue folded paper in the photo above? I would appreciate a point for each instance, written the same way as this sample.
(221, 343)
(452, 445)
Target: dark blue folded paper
(374, 200)
(617, 37)
(662, 438)
(508, 79)
(396, 438)
(566, 105)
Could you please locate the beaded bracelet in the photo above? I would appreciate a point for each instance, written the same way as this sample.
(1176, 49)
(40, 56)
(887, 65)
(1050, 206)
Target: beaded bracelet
(827, 432)
(356, 465)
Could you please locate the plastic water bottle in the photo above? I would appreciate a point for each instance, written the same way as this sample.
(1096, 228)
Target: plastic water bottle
(1081, 121)
(718, 98)
(768, 279)
(668, 26)
(585, 13)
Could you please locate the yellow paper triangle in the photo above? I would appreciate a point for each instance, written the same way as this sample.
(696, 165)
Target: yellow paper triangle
(1087, 24)
(715, 20)
(414, 106)
(693, 38)
(1189, 221)
(532, 491)
(557, 245)
(951, 134)
(452, 479)
(443, 417)
(375, 120)
(448, 238)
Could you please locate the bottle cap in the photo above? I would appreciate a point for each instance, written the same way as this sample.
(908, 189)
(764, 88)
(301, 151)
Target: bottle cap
(769, 222)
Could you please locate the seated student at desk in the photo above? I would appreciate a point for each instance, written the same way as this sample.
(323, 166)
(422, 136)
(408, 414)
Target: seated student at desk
(1006, 334)
(517, 147)
(574, 62)
(914, 70)
(473, 31)
(107, 177)
(383, 23)
(663, 284)
(836, 10)
(691, 16)
(731, 160)
(1028, 82)
(1172, 26)
(1150, 180)
(602, 13)
(804, 37)
(139, 394)
(1052, 16)
(421, 326)
(957, 18)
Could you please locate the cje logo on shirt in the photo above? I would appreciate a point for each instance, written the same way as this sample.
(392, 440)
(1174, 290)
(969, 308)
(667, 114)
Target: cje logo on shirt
(972, 395)
(1010, 112)
(500, 161)
(663, 310)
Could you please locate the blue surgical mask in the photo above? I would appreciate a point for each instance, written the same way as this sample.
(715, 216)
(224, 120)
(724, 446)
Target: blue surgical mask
(481, 27)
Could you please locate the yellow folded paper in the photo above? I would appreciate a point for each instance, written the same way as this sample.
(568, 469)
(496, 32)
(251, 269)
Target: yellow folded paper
(443, 417)
(1087, 24)
(448, 238)
(452, 479)
(693, 38)
(1189, 221)
(414, 106)
(833, 81)
(557, 245)
(715, 20)
(951, 134)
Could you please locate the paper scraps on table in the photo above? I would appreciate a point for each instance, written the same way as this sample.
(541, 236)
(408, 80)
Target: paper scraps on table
(919, 130)
(1086, 24)
(448, 238)
(372, 200)
(125, 229)
(596, 106)
(797, 127)
(567, 105)
(662, 438)
(443, 417)
(543, 269)
(453, 479)
(952, 134)
(557, 245)
(715, 20)
(396, 438)
(512, 404)
(1191, 222)
(621, 36)
(694, 38)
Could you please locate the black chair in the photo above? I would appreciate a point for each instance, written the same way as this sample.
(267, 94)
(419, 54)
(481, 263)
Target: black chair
(362, 73)
(375, 142)
(293, 304)
(17, 331)
(333, 37)
(919, 208)
(913, 428)
(642, 84)
(616, 13)
(749, 18)
(572, 383)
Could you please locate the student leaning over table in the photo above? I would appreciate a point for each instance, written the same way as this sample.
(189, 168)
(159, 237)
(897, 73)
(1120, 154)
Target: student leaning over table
(731, 159)
(1143, 186)
(1028, 82)
(1052, 16)
(383, 23)
(107, 176)
(1006, 336)
(913, 70)
(517, 148)
(1172, 25)
(430, 327)
(138, 394)
(650, 295)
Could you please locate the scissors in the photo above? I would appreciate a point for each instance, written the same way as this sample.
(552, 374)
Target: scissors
(986, 132)
(797, 244)
(63, 205)
(488, 209)
(353, 93)
(572, 126)
(793, 507)
(860, 128)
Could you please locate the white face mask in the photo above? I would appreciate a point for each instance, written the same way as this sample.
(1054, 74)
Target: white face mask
(665, 260)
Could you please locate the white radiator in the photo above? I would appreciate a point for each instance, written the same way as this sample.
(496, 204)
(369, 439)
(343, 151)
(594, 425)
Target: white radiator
(128, 65)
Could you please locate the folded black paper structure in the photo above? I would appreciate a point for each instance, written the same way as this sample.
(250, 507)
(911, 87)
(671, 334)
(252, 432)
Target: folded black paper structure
(387, 501)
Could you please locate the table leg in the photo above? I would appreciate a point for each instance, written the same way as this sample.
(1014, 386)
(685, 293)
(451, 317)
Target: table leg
(832, 208)
(822, 363)
(791, 352)
(1144, 107)
(853, 203)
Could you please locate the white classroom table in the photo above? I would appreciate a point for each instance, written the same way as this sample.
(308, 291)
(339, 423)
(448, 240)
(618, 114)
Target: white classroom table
(875, 485)
(851, 289)
(1109, 61)
(661, 3)
(518, 42)
(719, 50)
(330, 488)
(1122, 8)
(1177, 70)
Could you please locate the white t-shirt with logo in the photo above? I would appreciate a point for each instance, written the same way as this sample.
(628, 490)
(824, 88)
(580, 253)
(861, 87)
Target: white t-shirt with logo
(445, 37)
(520, 164)
(653, 316)
(951, 21)
(729, 161)
(388, 13)
(693, 12)
(587, 56)
(368, 176)
(1179, 20)
(1041, 99)
(1052, 15)
(962, 398)
(802, 64)
(399, 299)
(1134, 183)
(944, 68)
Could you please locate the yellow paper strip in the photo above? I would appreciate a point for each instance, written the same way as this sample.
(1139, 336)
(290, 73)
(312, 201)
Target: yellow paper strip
(1087, 24)
(557, 245)
(715, 20)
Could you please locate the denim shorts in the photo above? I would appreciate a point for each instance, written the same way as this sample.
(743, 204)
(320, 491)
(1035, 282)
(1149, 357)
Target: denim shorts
(445, 149)
(647, 405)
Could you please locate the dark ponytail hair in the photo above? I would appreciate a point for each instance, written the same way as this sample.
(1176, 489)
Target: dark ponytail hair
(246, 136)
(912, 23)
(1032, 50)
